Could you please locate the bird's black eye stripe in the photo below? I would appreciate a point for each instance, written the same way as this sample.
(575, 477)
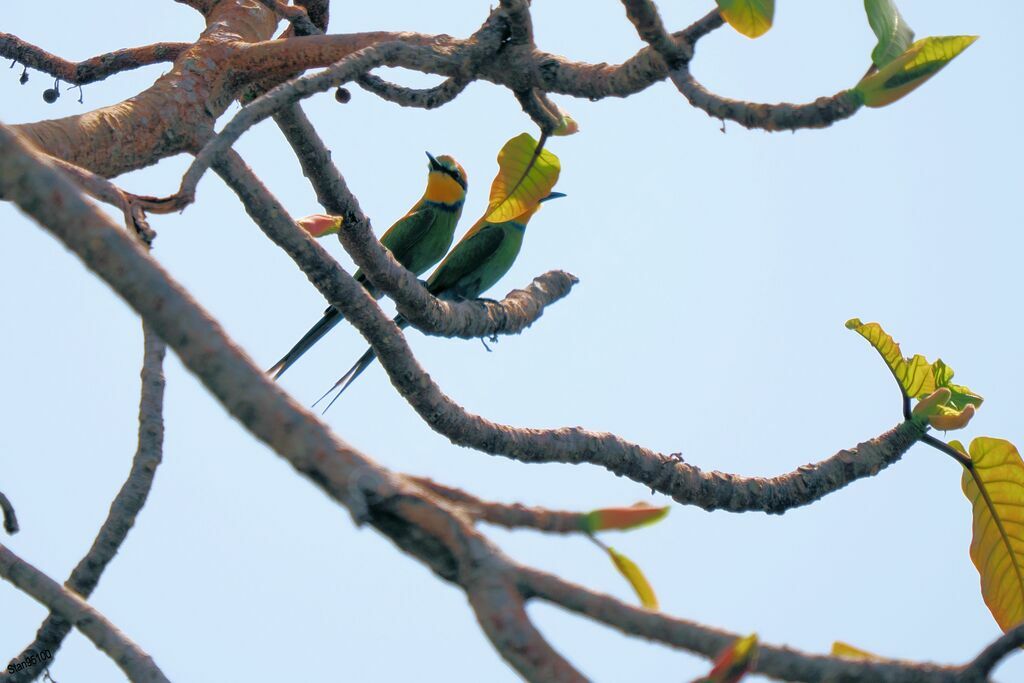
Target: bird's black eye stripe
(455, 176)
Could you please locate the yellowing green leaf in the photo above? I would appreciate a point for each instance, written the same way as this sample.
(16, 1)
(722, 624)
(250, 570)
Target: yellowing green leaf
(522, 180)
(734, 661)
(948, 421)
(623, 518)
(635, 577)
(916, 376)
(921, 61)
(846, 651)
(996, 492)
(894, 36)
(752, 18)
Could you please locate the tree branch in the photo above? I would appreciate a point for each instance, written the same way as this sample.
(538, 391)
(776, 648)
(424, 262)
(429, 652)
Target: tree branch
(1008, 643)
(428, 98)
(136, 664)
(821, 113)
(124, 508)
(777, 662)
(515, 516)
(89, 70)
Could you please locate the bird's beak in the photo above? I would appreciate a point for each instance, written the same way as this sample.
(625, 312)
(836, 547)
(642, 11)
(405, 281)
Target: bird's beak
(434, 165)
(553, 195)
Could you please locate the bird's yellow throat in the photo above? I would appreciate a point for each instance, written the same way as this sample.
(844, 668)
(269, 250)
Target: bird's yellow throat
(442, 188)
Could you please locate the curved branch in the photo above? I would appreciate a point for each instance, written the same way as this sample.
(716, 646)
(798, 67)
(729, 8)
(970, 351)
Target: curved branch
(987, 659)
(125, 506)
(136, 664)
(427, 98)
(89, 70)
(821, 113)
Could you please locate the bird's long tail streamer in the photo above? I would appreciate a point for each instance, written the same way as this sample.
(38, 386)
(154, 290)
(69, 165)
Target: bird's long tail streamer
(364, 362)
(331, 318)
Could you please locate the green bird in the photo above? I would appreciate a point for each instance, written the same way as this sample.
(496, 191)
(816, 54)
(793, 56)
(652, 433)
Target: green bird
(478, 261)
(418, 240)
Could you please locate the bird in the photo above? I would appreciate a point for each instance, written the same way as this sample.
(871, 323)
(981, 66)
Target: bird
(418, 240)
(474, 265)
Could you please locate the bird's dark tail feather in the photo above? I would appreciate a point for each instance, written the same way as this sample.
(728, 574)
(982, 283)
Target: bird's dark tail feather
(331, 318)
(365, 361)
(342, 384)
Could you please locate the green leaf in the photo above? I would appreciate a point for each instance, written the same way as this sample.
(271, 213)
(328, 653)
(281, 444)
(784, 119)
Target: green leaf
(752, 18)
(996, 492)
(636, 578)
(623, 518)
(522, 180)
(916, 376)
(894, 36)
(921, 61)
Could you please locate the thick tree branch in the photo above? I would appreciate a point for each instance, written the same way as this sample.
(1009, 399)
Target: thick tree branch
(136, 664)
(123, 510)
(88, 70)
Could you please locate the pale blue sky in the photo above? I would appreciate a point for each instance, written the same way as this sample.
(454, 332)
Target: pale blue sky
(716, 272)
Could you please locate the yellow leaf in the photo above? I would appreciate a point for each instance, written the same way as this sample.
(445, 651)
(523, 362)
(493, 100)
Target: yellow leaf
(921, 61)
(752, 18)
(734, 661)
(931, 404)
(522, 180)
(635, 577)
(846, 651)
(996, 492)
(949, 421)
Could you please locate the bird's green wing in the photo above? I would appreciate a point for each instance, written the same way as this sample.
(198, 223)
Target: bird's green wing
(402, 237)
(462, 270)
